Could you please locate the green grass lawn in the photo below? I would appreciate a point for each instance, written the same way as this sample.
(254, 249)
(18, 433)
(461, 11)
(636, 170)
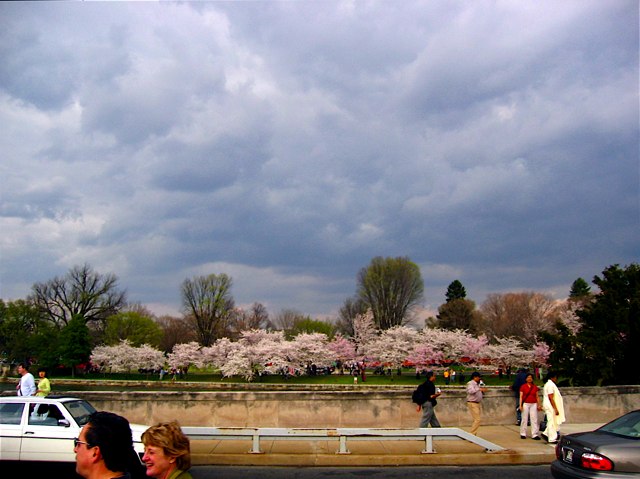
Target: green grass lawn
(408, 377)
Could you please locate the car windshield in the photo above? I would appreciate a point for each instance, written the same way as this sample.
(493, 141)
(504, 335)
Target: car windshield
(627, 426)
(80, 410)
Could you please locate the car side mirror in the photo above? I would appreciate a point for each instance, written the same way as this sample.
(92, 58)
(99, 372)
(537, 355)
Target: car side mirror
(64, 422)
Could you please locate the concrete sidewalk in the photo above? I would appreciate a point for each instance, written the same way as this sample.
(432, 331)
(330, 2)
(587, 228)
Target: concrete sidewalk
(383, 453)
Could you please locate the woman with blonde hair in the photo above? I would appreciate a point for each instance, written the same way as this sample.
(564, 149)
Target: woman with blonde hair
(167, 451)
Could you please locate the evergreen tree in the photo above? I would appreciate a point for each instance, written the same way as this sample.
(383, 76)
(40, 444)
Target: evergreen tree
(457, 314)
(610, 335)
(456, 291)
(579, 289)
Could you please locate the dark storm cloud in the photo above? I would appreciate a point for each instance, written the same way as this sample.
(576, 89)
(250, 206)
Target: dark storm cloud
(288, 143)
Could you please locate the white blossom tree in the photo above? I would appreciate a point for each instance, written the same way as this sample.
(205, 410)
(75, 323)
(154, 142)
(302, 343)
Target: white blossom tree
(184, 355)
(257, 351)
(393, 346)
(508, 351)
(311, 348)
(364, 332)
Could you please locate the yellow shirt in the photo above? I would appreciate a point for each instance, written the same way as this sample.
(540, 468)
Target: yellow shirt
(44, 387)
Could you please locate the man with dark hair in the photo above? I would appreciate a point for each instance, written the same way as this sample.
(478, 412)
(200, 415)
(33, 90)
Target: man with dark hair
(105, 447)
(475, 391)
(27, 385)
(430, 393)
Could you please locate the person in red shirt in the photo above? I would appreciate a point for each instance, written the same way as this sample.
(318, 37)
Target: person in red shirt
(529, 406)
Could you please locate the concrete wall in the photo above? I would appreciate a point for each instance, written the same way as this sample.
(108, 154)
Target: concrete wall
(359, 407)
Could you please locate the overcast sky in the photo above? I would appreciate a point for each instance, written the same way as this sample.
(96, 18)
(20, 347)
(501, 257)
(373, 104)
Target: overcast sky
(287, 144)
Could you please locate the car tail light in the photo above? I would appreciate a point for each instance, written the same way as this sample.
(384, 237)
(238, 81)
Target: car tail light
(558, 451)
(597, 462)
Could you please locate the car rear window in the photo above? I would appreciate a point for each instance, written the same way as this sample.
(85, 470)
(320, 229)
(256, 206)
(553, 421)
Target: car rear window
(11, 413)
(626, 426)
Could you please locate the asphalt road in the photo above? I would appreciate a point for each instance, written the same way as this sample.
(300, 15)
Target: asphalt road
(66, 471)
(503, 472)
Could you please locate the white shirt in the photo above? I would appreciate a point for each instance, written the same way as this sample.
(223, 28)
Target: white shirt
(27, 385)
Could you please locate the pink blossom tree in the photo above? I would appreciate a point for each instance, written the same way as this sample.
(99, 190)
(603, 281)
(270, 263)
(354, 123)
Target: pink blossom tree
(342, 349)
(256, 351)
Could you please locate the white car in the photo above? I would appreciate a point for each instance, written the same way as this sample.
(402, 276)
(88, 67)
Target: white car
(43, 428)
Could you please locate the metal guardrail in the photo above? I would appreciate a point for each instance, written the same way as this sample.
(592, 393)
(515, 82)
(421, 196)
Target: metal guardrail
(339, 434)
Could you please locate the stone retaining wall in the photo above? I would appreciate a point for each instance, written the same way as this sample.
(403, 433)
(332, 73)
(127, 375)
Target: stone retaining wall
(357, 407)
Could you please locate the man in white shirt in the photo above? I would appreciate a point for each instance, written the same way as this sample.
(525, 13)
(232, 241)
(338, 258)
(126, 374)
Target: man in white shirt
(27, 385)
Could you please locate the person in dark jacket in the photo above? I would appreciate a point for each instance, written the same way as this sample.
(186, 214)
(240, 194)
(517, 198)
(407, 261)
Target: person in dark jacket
(430, 393)
(521, 378)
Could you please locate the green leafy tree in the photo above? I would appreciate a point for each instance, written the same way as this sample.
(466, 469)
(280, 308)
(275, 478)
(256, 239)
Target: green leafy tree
(75, 343)
(81, 292)
(24, 335)
(390, 287)
(610, 334)
(455, 291)
(458, 314)
(133, 326)
(208, 302)
(308, 325)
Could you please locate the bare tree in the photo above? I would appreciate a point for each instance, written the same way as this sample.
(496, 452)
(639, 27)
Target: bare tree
(175, 331)
(522, 315)
(256, 317)
(208, 301)
(82, 292)
(286, 319)
(351, 308)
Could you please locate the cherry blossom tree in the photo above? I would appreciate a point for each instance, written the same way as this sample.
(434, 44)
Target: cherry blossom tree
(343, 349)
(257, 351)
(184, 355)
(119, 358)
(364, 331)
(393, 346)
(149, 357)
(508, 351)
(541, 352)
(310, 348)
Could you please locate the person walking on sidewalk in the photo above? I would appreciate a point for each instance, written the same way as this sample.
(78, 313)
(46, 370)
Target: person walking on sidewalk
(44, 386)
(515, 387)
(529, 405)
(553, 406)
(27, 385)
(475, 391)
(430, 395)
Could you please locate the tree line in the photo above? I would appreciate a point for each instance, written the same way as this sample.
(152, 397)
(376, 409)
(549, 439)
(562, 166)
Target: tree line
(590, 335)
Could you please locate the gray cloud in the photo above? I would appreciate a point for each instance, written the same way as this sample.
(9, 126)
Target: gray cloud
(286, 144)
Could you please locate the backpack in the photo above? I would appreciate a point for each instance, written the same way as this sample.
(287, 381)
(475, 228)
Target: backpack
(419, 396)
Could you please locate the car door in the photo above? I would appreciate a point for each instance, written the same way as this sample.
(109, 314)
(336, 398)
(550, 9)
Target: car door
(47, 434)
(10, 430)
